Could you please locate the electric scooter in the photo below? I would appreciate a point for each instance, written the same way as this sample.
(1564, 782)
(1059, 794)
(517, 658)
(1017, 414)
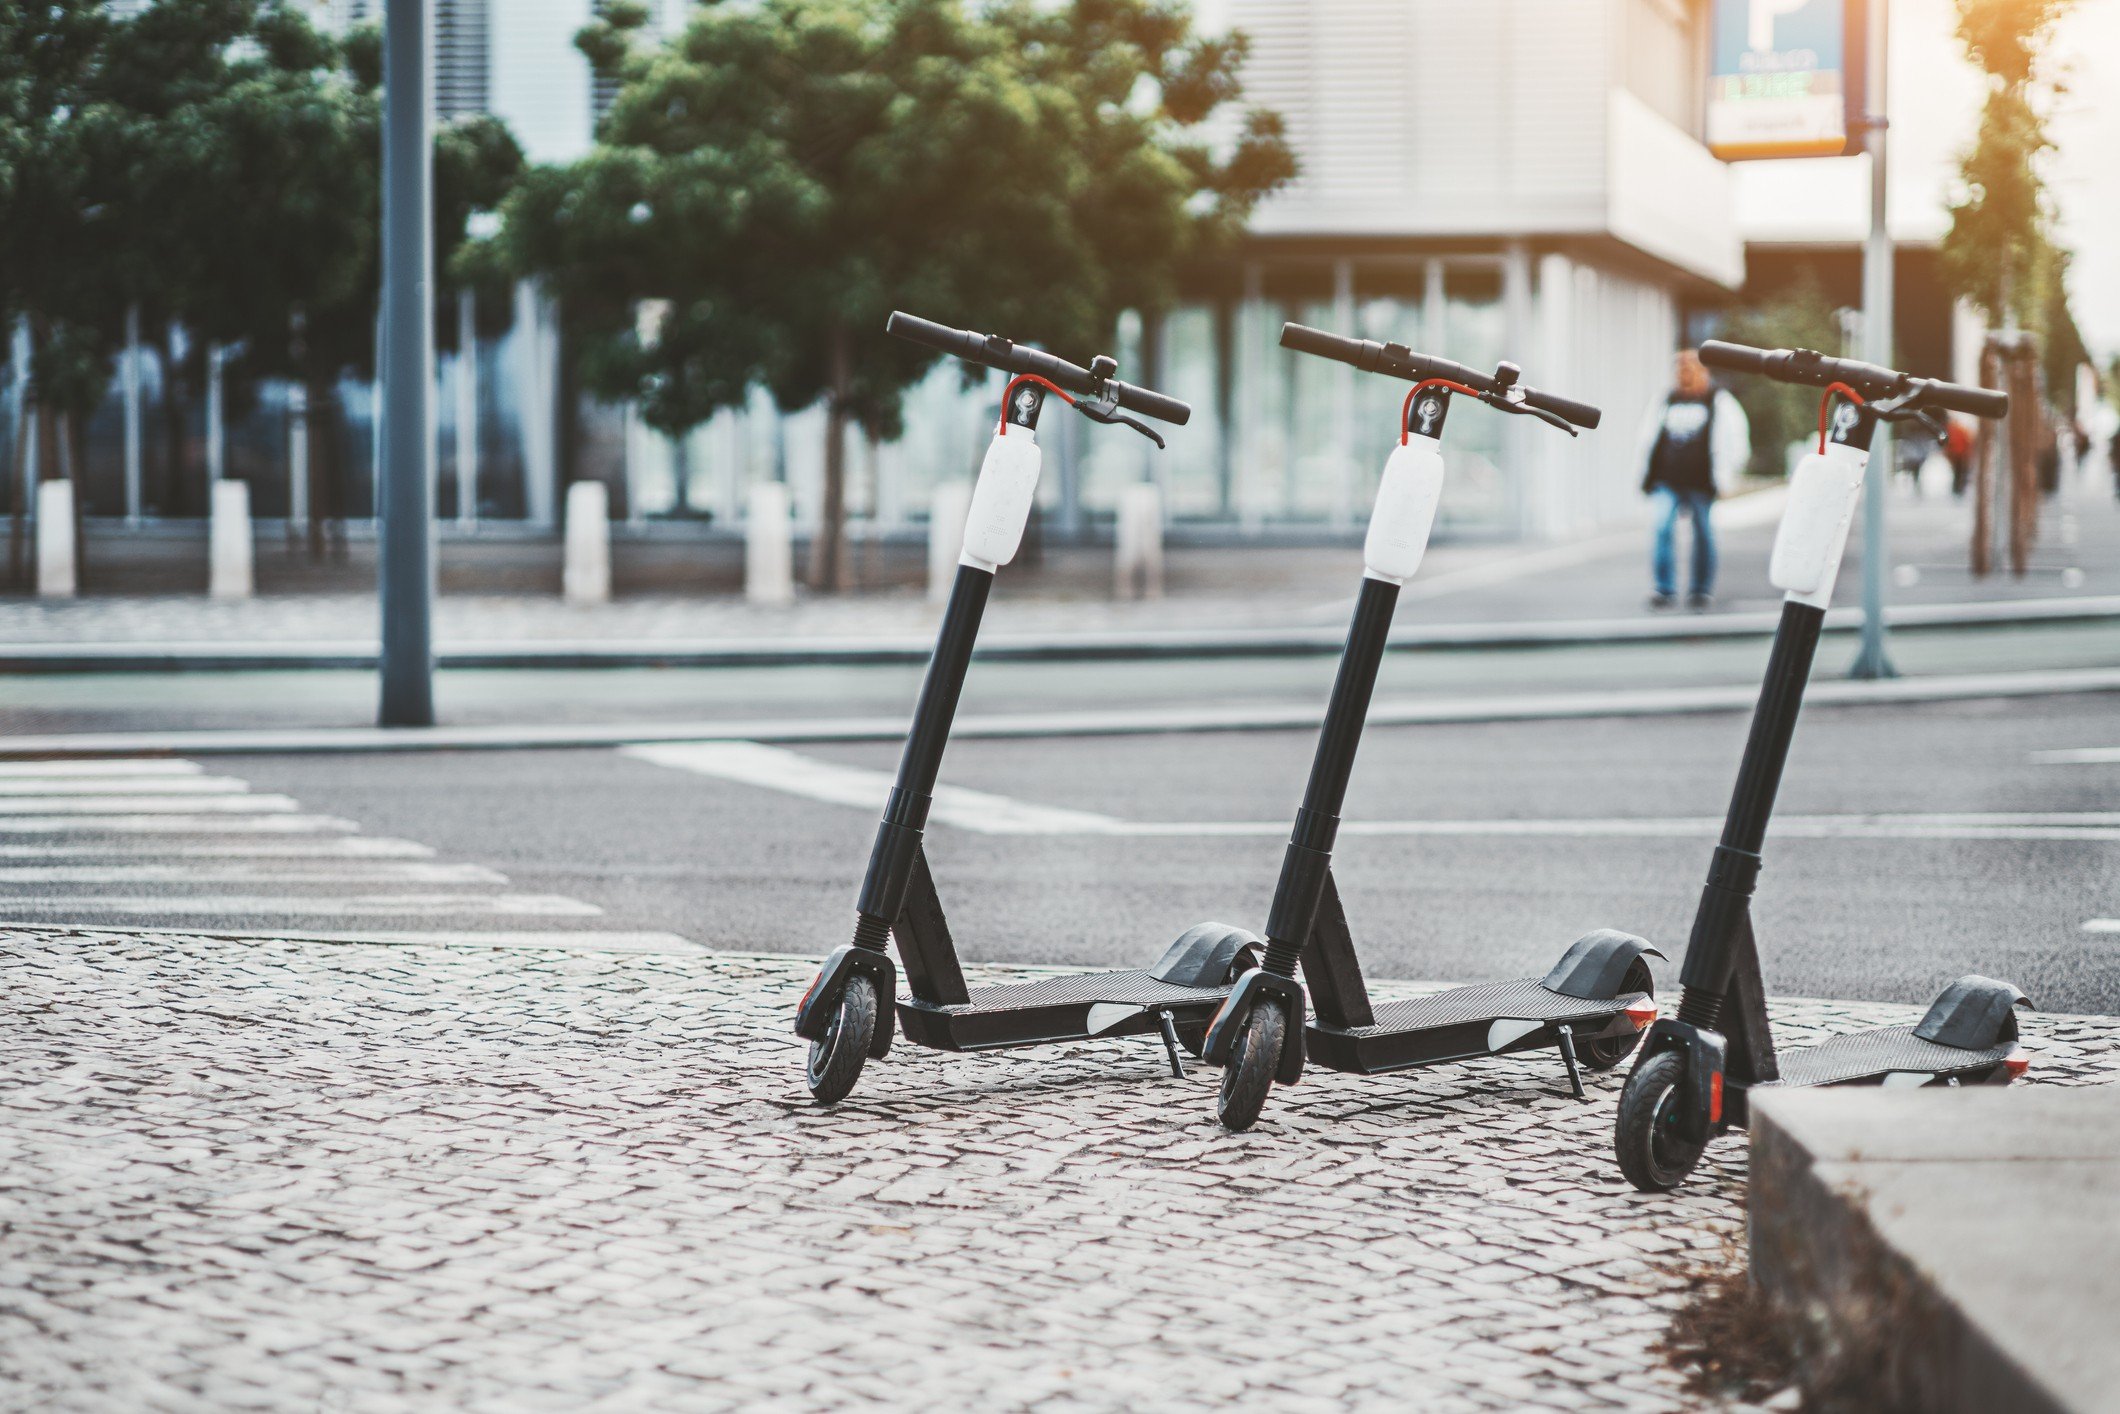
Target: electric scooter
(1697, 1070)
(1590, 1007)
(846, 1014)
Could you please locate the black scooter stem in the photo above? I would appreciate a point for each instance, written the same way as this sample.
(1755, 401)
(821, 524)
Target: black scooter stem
(1309, 853)
(905, 813)
(1734, 873)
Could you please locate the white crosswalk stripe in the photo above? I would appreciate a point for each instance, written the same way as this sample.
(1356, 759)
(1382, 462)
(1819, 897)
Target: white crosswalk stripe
(175, 825)
(46, 770)
(148, 805)
(50, 786)
(160, 846)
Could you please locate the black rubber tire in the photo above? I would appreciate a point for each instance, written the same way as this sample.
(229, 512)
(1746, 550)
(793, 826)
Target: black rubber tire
(1253, 1060)
(1192, 1038)
(837, 1058)
(1651, 1154)
(1605, 1052)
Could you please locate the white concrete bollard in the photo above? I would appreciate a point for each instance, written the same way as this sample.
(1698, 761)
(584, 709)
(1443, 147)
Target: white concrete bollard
(768, 545)
(946, 515)
(56, 559)
(228, 553)
(1137, 568)
(585, 572)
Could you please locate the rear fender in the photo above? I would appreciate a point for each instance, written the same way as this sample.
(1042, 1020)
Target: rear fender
(1595, 965)
(1205, 955)
(1974, 1013)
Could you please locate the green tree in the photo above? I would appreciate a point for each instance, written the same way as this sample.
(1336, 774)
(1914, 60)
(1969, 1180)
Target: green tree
(786, 172)
(1999, 252)
(50, 214)
(1799, 315)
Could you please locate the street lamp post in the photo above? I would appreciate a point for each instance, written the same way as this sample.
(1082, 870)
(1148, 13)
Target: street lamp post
(405, 489)
(1873, 661)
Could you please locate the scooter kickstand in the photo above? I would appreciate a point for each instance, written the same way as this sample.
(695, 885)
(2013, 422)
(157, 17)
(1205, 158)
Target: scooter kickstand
(1170, 1042)
(1575, 1072)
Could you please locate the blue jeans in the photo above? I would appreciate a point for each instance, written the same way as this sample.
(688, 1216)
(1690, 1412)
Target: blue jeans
(1663, 561)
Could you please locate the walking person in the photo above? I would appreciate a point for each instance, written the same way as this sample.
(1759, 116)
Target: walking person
(1694, 444)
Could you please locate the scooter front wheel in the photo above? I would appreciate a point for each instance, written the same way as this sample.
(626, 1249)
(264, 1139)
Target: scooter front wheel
(836, 1057)
(1254, 1058)
(1653, 1155)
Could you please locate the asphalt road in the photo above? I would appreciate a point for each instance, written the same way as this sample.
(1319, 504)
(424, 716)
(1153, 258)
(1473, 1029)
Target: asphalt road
(1865, 912)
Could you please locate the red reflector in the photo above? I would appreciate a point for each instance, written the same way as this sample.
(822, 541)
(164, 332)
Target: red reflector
(1715, 1098)
(2017, 1062)
(1642, 1013)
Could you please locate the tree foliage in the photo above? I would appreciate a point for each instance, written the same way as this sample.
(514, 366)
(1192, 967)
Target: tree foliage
(1999, 252)
(214, 164)
(1800, 315)
(785, 173)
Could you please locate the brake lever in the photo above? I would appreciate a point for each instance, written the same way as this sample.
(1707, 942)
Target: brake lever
(1106, 411)
(1903, 409)
(1508, 405)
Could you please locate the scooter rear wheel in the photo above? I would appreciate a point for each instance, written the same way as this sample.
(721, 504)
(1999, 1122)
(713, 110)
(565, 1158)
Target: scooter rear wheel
(1605, 1052)
(1652, 1154)
(1253, 1059)
(836, 1057)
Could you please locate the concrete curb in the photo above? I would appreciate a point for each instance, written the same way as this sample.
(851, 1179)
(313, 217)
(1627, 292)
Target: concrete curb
(1138, 722)
(1944, 1250)
(361, 655)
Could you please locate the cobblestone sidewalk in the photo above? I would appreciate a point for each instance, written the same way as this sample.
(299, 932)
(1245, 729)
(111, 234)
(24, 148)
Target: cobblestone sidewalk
(280, 1175)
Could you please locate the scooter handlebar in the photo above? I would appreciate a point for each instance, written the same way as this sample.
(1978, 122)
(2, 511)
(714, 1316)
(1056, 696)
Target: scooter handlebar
(1817, 370)
(993, 351)
(1400, 362)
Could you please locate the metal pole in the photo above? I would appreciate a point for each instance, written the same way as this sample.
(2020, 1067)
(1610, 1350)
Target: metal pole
(405, 491)
(132, 414)
(216, 431)
(466, 409)
(1874, 661)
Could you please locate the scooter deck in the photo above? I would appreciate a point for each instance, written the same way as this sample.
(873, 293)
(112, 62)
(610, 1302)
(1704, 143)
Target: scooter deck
(1880, 1057)
(1486, 1019)
(1075, 1007)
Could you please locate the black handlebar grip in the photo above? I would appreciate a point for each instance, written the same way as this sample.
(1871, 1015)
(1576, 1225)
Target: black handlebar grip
(976, 348)
(914, 329)
(1150, 403)
(1304, 339)
(1738, 358)
(1567, 409)
(1977, 402)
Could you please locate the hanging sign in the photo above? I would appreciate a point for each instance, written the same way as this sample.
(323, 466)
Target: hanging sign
(1786, 78)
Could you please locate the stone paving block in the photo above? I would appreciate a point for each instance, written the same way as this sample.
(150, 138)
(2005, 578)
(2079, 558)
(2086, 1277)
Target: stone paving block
(259, 1174)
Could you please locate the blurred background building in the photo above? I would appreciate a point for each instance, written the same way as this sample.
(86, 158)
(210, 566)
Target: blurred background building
(1521, 180)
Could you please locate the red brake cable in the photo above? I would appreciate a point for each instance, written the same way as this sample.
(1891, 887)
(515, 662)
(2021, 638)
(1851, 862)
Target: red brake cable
(1010, 392)
(1826, 402)
(1406, 407)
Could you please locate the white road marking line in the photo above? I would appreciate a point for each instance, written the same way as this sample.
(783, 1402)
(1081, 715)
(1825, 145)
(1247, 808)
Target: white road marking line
(2101, 925)
(151, 805)
(578, 939)
(175, 825)
(350, 847)
(62, 786)
(374, 906)
(120, 766)
(776, 768)
(356, 872)
(2079, 756)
